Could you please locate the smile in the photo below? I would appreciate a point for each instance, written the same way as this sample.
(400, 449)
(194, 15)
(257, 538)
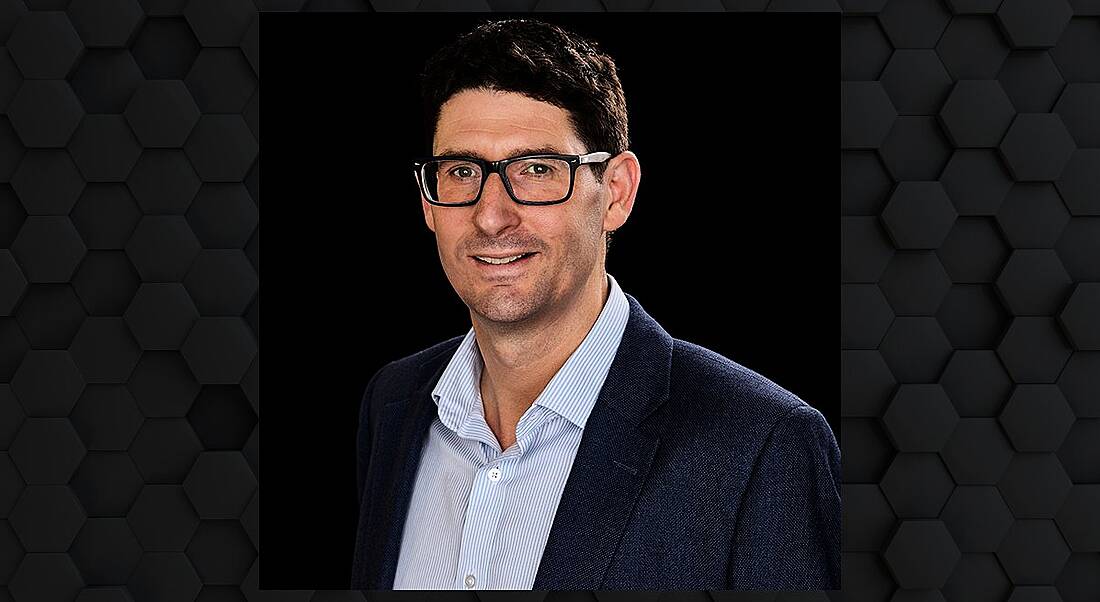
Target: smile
(502, 260)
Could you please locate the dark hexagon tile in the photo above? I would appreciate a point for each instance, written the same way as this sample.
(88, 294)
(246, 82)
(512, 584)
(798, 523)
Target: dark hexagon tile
(162, 518)
(104, 594)
(866, 384)
(222, 417)
(219, 22)
(916, 81)
(1033, 350)
(1079, 246)
(223, 216)
(1037, 147)
(166, 576)
(973, 7)
(1032, 25)
(47, 518)
(11, 418)
(45, 577)
(972, 48)
(914, 23)
(160, 316)
(164, 8)
(46, 451)
(11, 78)
(865, 114)
(1034, 485)
(1080, 382)
(163, 182)
(163, 385)
(865, 249)
(916, 349)
(1080, 453)
(972, 316)
(106, 281)
(45, 112)
(977, 518)
(252, 316)
(1077, 108)
(1080, 579)
(922, 554)
(13, 346)
(221, 148)
(11, 488)
(221, 552)
(978, 452)
(107, 483)
(920, 418)
(868, 518)
(864, 49)
(49, 315)
(11, 149)
(48, 249)
(105, 351)
(104, 148)
(250, 519)
(162, 113)
(219, 350)
(1033, 282)
(1033, 216)
(45, 45)
(1037, 418)
(220, 484)
(47, 384)
(919, 215)
(164, 450)
(1034, 593)
(12, 283)
(252, 182)
(106, 417)
(221, 80)
(221, 282)
(162, 248)
(1033, 552)
(977, 113)
(1079, 183)
(1077, 518)
(917, 485)
(1081, 317)
(12, 215)
(250, 46)
(864, 316)
(864, 577)
(915, 149)
(47, 182)
(1031, 80)
(105, 79)
(105, 551)
(977, 578)
(915, 283)
(105, 216)
(251, 450)
(103, 24)
(165, 48)
(867, 448)
(250, 384)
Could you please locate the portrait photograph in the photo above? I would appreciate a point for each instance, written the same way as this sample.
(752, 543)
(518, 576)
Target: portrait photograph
(553, 303)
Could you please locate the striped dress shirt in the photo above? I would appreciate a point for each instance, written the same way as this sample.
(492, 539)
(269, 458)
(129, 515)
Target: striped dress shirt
(479, 516)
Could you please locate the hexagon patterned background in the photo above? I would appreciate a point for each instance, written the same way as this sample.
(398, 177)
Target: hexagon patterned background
(970, 297)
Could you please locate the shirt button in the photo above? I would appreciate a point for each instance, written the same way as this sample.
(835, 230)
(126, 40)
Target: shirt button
(471, 581)
(494, 473)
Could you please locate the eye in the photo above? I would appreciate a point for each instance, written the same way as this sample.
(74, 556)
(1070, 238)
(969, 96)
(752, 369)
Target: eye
(538, 169)
(463, 171)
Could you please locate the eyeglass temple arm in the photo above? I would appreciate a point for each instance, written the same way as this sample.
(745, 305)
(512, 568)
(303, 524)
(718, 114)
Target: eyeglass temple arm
(597, 157)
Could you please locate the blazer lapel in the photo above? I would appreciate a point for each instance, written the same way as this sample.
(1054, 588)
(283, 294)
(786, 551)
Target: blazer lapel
(612, 462)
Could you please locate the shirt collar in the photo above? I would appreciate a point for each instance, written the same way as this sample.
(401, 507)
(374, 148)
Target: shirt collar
(571, 393)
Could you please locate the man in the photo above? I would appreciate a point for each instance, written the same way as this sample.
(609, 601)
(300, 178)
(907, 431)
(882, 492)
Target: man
(567, 441)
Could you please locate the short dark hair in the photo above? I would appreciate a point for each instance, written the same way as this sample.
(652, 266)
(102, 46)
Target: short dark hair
(541, 61)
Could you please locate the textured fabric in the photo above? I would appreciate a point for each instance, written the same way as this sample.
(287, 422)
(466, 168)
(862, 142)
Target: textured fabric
(693, 472)
(479, 516)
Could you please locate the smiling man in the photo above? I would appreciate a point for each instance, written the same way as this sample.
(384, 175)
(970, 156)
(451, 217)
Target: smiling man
(567, 441)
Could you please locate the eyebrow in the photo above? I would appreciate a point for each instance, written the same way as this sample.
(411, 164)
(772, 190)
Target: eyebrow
(541, 150)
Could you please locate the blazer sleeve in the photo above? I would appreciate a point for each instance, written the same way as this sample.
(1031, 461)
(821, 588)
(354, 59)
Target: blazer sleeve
(363, 436)
(788, 529)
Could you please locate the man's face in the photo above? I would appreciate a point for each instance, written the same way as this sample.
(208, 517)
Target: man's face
(566, 239)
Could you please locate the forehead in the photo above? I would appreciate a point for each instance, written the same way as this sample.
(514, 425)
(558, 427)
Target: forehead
(495, 124)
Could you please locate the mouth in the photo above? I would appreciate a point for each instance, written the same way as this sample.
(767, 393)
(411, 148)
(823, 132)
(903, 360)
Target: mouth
(502, 264)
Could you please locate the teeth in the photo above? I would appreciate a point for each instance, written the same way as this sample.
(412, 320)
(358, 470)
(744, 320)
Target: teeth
(500, 261)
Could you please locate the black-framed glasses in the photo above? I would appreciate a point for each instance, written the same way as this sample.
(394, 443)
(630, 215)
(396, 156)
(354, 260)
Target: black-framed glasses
(541, 179)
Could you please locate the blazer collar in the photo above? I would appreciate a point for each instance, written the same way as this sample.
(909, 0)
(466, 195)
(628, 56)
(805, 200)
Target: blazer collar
(612, 462)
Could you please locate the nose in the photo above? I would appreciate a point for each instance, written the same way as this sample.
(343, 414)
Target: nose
(495, 211)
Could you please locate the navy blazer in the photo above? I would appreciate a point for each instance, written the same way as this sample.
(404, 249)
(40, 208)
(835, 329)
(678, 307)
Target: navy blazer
(693, 473)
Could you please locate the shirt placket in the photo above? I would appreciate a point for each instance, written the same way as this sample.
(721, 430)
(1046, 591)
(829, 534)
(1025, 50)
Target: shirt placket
(483, 514)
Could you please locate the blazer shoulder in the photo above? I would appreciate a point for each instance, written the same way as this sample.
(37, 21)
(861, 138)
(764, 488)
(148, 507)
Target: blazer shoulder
(725, 387)
(406, 372)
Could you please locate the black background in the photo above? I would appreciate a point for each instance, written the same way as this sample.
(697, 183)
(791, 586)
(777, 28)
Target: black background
(712, 249)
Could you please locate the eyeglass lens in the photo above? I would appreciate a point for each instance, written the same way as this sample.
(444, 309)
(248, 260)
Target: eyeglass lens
(533, 180)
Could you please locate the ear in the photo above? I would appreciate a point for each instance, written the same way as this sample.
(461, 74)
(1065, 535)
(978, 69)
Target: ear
(621, 178)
